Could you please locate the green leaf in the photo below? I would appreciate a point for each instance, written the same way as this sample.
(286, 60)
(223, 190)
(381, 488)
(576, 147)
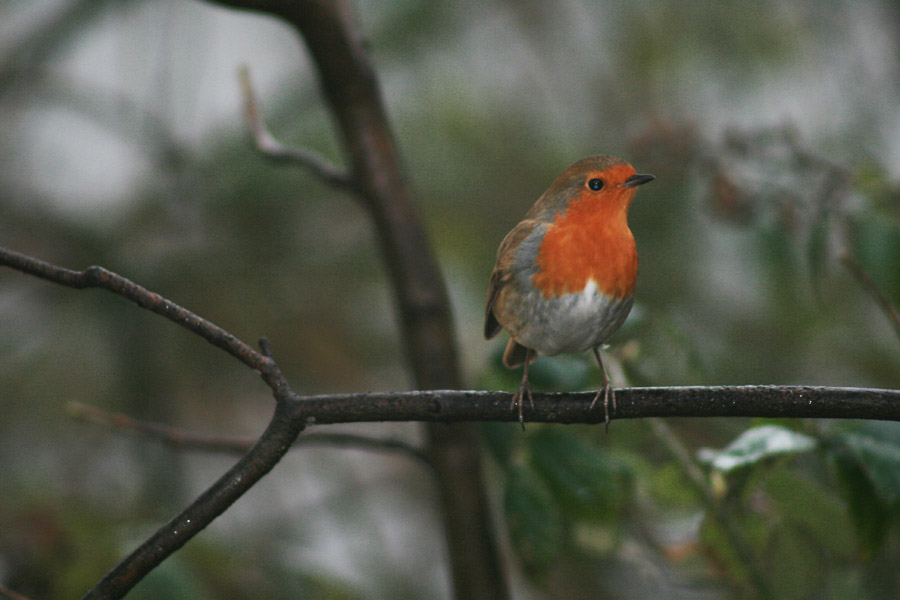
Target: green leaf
(755, 445)
(868, 471)
(589, 483)
(536, 527)
(870, 515)
(669, 488)
(879, 461)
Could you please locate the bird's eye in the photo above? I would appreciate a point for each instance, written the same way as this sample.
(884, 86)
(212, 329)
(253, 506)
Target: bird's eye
(595, 184)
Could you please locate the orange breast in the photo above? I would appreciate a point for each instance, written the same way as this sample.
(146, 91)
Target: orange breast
(591, 240)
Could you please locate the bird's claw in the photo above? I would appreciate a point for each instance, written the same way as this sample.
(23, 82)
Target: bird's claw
(524, 389)
(609, 397)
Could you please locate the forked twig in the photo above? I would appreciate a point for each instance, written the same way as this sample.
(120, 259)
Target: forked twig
(99, 277)
(282, 431)
(191, 440)
(270, 147)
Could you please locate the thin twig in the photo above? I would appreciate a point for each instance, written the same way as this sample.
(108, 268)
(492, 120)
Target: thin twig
(270, 147)
(870, 286)
(100, 277)
(263, 455)
(352, 92)
(179, 438)
(190, 440)
(360, 442)
(279, 436)
(695, 477)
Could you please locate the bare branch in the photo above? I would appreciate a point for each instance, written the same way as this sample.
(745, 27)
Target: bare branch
(173, 436)
(360, 442)
(283, 429)
(102, 278)
(884, 303)
(351, 89)
(801, 402)
(262, 456)
(190, 440)
(271, 148)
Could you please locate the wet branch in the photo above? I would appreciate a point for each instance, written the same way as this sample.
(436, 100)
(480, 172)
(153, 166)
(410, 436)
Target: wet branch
(772, 401)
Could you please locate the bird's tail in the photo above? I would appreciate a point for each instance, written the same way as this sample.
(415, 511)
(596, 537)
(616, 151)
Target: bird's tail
(515, 354)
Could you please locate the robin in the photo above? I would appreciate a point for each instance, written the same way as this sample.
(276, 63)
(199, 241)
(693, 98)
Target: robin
(565, 275)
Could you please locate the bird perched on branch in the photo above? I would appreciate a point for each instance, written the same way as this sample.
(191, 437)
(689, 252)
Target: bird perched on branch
(565, 276)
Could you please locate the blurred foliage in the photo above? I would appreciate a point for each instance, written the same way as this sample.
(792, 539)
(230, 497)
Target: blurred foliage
(768, 128)
(43, 543)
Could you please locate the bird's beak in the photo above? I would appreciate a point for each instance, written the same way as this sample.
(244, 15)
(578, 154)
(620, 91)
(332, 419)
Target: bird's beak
(636, 180)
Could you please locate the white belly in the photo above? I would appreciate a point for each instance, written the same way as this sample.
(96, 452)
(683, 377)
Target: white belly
(568, 324)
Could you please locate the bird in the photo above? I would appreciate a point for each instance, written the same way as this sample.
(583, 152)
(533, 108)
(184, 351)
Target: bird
(565, 276)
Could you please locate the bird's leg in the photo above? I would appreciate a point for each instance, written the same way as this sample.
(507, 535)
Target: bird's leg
(606, 391)
(524, 388)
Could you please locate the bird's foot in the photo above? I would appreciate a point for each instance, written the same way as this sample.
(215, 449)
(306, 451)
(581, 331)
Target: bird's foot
(609, 398)
(518, 400)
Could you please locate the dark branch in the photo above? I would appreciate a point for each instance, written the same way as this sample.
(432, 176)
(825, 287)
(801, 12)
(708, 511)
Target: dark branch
(271, 148)
(281, 433)
(98, 277)
(806, 402)
(350, 87)
(265, 454)
(445, 406)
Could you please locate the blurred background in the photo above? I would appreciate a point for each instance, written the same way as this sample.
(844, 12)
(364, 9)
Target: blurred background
(773, 129)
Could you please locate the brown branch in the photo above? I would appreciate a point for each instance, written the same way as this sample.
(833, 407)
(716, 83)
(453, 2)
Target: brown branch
(283, 429)
(191, 440)
(351, 89)
(98, 277)
(271, 148)
(868, 284)
(280, 434)
(445, 406)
